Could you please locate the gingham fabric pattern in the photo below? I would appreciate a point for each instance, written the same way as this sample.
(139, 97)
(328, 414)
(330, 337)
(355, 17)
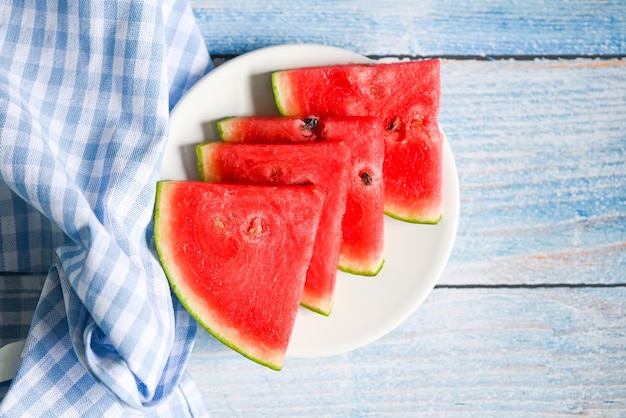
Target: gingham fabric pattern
(85, 93)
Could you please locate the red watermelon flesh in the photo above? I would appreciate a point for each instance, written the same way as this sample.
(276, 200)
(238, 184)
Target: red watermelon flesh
(362, 248)
(321, 164)
(362, 243)
(237, 256)
(250, 128)
(405, 96)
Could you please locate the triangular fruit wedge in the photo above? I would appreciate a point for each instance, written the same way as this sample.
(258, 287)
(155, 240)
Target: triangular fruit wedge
(362, 242)
(236, 256)
(254, 129)
(320, 164)
(405, 96)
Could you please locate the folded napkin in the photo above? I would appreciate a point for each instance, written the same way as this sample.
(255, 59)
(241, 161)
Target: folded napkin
(86, 88)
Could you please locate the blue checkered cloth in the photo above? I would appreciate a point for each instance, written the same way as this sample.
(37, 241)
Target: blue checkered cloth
(86, 88)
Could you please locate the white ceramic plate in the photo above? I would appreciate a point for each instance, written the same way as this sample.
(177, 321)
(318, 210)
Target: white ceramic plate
(10, 359)
(365, 308)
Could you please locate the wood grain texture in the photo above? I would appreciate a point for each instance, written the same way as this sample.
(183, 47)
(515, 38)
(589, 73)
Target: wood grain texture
(522, 28)
(466, 352)
(19, 294)
(541, 152)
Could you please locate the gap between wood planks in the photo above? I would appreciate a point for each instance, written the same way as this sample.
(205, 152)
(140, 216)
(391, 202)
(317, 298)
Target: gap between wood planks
(500, 57)
(528, 286)
(225, 57)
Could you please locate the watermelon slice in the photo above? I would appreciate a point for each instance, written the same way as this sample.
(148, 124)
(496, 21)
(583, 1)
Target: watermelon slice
(362, 243)
(253, 129)
(406, 97)
(209, 235)
(321, 164)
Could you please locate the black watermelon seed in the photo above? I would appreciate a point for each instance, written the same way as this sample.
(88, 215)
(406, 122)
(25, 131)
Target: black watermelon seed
(310, 123)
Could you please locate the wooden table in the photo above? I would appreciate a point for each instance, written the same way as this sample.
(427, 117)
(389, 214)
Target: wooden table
(529, 316)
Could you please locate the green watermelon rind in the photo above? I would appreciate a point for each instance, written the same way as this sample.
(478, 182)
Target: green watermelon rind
(316, 309)
(220, 126)
(199, 156)
(366, 273)
(421, 221)
(276, 92)
(189, 305)
(203, 175)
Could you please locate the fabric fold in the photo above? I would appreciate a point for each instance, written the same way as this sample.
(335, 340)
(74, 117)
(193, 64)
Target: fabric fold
(86, 89)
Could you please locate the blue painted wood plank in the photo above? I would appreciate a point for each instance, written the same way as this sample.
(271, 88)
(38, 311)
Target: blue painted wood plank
(418, 28)
(470, 352)
(19, 294)
(540, 148)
